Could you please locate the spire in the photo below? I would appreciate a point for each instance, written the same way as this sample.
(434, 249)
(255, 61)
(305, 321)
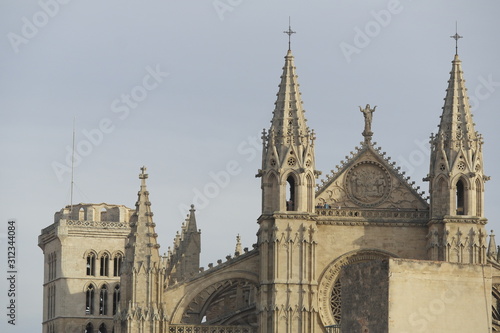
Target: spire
(456, 130)
(288, 150)
(143, 273)
(184, 259)
(238, 248)
(191, 221)
(456, 164)
(142, 242)
(288, 126)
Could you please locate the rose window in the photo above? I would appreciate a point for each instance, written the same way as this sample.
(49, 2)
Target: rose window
(336, 301)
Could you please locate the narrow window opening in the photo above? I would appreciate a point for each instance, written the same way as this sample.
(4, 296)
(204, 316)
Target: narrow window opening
(102, 328)
(104, 214)
(116, 298)
(103, 300)
(460, 198)
(89, 328)
(91, 264)
(117, 265)
(104, 265)
(89, 300)
(291, 202)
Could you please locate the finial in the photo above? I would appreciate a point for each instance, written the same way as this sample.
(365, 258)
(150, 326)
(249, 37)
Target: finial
(143, 174)
(289, 32)
(456, 37)
(368, 114)
(237, 250)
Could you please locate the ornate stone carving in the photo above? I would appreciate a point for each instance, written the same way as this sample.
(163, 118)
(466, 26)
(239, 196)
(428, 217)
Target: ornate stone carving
(368, 183)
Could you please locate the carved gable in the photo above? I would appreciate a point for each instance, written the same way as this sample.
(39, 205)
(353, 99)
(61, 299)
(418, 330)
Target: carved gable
(369, 181)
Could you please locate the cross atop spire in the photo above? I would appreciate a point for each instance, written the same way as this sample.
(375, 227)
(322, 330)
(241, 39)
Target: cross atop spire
(143, 174)
(289, 32)
(456, 37)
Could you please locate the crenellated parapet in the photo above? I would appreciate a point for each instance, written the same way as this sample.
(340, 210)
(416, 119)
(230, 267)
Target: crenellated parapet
(102, 212)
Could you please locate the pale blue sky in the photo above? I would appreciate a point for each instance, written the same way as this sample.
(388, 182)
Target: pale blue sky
(223, 72)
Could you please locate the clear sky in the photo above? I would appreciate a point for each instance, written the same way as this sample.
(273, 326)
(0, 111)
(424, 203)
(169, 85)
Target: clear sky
(186, 88)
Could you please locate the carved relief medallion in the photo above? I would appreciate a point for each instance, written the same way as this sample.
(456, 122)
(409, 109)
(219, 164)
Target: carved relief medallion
(368, 183)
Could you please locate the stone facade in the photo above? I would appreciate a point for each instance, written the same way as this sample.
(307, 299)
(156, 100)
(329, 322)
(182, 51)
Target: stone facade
(83, 251)
(403, 296)
(310, 238)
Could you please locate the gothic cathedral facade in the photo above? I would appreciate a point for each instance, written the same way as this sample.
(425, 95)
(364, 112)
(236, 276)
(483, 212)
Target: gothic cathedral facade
(363, 251)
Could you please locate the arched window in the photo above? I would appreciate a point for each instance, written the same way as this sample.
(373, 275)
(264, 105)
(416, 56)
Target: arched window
(479, 198)
(117, 264)
(89, 300)
(104, 214)
(102, 328)
(103, 300)
(460, 198)
(291, 203)
(116, 298)
(91, 264)
(81, 214)
(104, 265)
(271, 198)
(89, 328)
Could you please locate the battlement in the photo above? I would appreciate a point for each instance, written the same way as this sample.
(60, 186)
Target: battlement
(102, 212)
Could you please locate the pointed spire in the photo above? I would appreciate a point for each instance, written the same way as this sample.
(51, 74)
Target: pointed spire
(289, 123)
(456, 130)
(238, 249)
(288, 150)
(142, 239)
(191, 221)
(492, 247)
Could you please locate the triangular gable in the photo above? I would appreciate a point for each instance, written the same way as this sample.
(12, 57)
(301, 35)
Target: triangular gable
(369, 180)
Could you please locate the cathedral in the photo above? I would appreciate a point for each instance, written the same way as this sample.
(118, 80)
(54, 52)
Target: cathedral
(361, 251)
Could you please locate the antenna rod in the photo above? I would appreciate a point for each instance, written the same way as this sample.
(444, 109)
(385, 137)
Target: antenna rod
(72, 168)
